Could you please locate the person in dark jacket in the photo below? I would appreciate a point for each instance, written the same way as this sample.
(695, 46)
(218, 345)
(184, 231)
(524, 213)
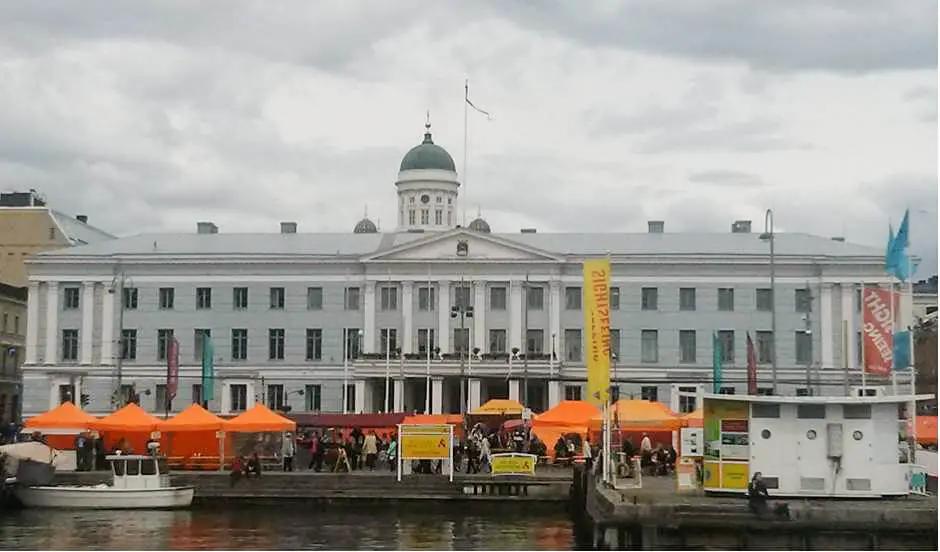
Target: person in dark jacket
(757, 495)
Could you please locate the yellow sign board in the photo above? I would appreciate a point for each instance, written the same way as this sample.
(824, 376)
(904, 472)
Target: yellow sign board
(425, 446)
(596, 290)
(513, 464)
(734, 476)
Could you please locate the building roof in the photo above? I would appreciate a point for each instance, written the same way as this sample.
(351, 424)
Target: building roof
(76, 231)
(333, 245)
(427, 155)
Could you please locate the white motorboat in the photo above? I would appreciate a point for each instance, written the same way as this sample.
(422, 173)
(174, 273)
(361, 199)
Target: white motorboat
(138, 483)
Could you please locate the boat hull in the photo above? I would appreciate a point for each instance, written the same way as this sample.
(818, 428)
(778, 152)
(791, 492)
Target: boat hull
(104, 497)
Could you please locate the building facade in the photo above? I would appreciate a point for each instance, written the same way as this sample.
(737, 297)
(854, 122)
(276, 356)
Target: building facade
(12, 350)
(437, 317)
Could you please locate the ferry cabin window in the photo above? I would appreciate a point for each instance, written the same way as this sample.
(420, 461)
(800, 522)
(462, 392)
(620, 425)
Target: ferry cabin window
(133, 467)
(759, 410)
(811, 411)
(856, 411)
(118, 467)
(162, 464)
(148, 467)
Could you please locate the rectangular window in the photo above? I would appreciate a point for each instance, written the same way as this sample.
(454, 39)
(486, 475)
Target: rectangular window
(803, 300)
(411, 217)
(239, 344)
(760, 410)
(240, 298)
(351, 395)
(200, 335)
(726, 342)
(167, 298)
(69, 344)
(572, 392)
(536, 297)
(573, 345)
(804, 392)
(765, 299)
(159, 398)
(277, 298)
(535, 342)
(164, 337)
(438, 217)
(856, 411)
(614, 298)
(425, 216)
(314, 344)
(765, 391)
(353, 343)
(688, 399)
(388, 340)
(129, 344)
(66, 393)
(314, 298)
(461, 342)
(687, 346)
(203, 298)
(804, 347)
(275, 396)
(426, 298)
(426, 342)
(498, 298)
(649, 393)
(573, 298)
(388, 298)
(71, 298)
(238, 393)
(726, 299)
(130, 298)
(687, 299)
(351, 298)
(276, 344)
(462, 298)
(649, 299)
(197, 393)
(497, 341)
(726, 391)
(615, 343)
(312, 397)
(811, 411)
(649, 346)
(765, 346)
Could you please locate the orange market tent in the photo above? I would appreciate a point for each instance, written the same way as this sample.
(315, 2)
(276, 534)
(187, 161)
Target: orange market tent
(61, 424)
(566, 417)
(259, 419)
(927, 430)
(455, 420)
(693, 419)
(192, 432)
(132, 423)
(500, 407)
(640, 415)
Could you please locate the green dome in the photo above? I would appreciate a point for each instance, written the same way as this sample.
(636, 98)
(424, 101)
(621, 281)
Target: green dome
(427, 155)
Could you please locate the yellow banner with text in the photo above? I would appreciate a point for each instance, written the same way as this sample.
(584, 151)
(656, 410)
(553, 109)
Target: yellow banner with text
(513, 464)
(425, 446)
(596, 291)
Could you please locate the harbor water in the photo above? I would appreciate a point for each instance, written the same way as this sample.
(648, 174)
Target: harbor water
(301, 526)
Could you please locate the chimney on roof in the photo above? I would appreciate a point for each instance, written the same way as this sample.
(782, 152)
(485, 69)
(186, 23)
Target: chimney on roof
(528, 231)
(206, 228)
(741, 227)
(656, 226)
(288, 228)
(838, 238)
(82, 218)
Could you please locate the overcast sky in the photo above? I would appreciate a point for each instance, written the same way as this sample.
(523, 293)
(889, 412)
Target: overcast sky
(149, 116)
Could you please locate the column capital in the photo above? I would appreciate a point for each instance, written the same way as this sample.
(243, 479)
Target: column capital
(52, 284)
(407, 284)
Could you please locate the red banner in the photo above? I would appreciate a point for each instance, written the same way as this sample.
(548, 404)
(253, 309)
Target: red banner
(878, 330)
(172, 368)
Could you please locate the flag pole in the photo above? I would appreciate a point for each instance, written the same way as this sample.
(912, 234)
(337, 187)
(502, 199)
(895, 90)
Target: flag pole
(864, 368)
(894, 330)
(427, 346)
(466, 105)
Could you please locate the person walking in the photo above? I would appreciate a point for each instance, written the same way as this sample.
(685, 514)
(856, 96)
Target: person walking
(370, 448)
(288, 449)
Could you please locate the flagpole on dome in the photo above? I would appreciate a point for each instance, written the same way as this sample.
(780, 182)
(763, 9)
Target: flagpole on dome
(467, 105)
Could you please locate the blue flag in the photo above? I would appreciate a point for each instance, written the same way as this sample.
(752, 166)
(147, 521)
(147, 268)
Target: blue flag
(902, 350)
(716, 363)
(897, 262)
(888, 259)
(208, 375)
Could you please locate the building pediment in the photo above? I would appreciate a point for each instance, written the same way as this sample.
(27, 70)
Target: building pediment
(462, 244)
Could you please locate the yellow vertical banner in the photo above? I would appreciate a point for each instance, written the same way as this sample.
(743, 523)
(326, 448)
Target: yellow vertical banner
(596, 290)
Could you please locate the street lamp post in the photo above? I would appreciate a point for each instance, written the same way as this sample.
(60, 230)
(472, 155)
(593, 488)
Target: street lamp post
(768, 235)
(463, 310)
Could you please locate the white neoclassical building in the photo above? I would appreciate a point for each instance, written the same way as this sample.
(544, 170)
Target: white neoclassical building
(442, 317)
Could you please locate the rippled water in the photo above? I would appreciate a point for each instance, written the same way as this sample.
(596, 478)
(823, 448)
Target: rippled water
(310, 526)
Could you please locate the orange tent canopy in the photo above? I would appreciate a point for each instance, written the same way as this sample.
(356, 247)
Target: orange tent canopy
(500, 406)
(696, 418)
(259, 418)
(434, 419)
(567, 413)
(641, 415)
(129, 418)
(926, 430)
(64, 416)
(193, 418)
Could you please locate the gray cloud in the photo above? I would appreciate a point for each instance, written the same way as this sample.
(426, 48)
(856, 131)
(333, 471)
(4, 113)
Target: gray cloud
(727, 179)
(866, 35)
(752, 136)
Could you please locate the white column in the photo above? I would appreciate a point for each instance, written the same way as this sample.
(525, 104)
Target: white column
(225, 401)
(848, 316)
(554, 393)
(32, 324)
(52, 322)
(514, 389)
(437, 396)
(826, 335)
(479, 316)
(359, 387)
(88, 321)
(368, 313)
(407, 316)
(474, 394)
(107, 332)
(399, 396)
(515, 315)
(443, 311)
(250, 402)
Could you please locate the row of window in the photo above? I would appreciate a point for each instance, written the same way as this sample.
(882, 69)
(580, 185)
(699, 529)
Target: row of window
(10, 324)
(388, 298)
(388, 338)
